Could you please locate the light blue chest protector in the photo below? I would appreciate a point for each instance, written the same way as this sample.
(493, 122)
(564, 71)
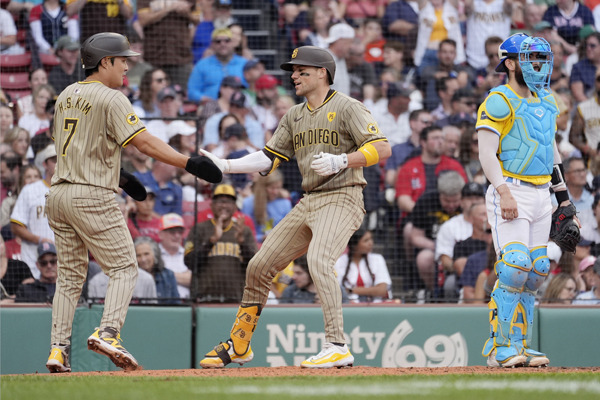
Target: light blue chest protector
(526, 150)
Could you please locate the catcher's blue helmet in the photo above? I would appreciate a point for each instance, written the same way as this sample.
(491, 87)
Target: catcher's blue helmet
(528, 50)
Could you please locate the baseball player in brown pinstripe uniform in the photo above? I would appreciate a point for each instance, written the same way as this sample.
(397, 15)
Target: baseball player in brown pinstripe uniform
(92, 123)
(332, 136)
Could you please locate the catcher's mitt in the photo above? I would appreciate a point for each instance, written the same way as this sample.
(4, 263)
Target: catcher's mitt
(565, 231)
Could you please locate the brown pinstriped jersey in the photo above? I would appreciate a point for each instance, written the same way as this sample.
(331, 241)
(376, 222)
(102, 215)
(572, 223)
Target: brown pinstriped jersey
(340, 125)
(92, 122)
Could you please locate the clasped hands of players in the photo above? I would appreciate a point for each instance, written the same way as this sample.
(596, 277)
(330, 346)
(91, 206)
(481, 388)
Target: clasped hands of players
(325, 164)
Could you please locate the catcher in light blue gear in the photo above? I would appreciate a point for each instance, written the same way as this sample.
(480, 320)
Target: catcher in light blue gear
(516, 126)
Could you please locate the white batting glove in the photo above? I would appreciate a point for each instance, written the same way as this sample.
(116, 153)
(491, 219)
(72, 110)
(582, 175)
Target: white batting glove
(223, 165)
(326, 164)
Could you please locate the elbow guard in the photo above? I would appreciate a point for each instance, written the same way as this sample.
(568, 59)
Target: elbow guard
(370, 153)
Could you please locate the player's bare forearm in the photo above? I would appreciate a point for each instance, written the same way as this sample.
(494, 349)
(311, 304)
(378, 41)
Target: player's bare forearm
(159, 150)
(358, 159)
(25, 234)
(379, 290)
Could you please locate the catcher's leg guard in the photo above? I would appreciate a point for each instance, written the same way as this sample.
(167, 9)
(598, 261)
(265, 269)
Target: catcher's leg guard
(512, 270)
(237, 348)
(523, 327)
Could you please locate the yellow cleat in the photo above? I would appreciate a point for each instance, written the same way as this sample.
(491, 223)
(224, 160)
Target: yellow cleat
(224, 354)
(331, 356)
(58, 361)
(107, 341)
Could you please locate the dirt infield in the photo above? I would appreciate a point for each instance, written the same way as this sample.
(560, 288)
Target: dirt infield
(249, 372)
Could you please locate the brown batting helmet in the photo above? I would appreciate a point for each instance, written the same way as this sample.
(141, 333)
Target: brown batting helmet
(312, 56)
(105, 44)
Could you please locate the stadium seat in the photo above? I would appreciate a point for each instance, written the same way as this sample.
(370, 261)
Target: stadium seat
(49, 60)
(14, 80)
(15, 62)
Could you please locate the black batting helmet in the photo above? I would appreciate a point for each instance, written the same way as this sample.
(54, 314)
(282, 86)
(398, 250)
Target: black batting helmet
(105, 44)
(312, 56)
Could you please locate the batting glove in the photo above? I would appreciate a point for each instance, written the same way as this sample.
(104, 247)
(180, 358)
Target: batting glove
(326, 164)
(220, 163)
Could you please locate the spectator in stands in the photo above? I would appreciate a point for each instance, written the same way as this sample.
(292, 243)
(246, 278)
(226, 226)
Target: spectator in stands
(444, 68)
(144, 291)
(240, 41)
(229, 85)
(29, 220)
(476, 271)
(182, 137)
(282, 105)
(12, 273)
(362, 74)
(69, 69)
(150, 260)
(171, 250)
(29, 174)
(142, 219)
(590, 229)
(7, 120)
(463, 109)
(415, 176)
(358, 11)
(372, 39)
(268, 204)
(153, 81)
(49, 22)
(218, 251)
(239, 108)
(169, 194)
(169, 103)
(400, 22)
(576, 180)
(253, 70)
(469, 156)
(361, 272)
(562, 289)
(438, 20)
(10, 168)
(484, 284)
(457, 228)
(206, 77)
(340, 39)
(487, 78)
(431, 210)
(445, 88)
(452, 135)
(591, 276)
(167, 39)
(317, 32)
(226, 120)
(559, 80)
(37, 77)
(134, 160)
(417, 120)
(39, 119)
(479, 240)
(393, 59)
(302, 288)
(18, 139)
(8, 33)
(583, 74)
(585, 127)
(568, 17)
(42, 289)
(393, 120)
(485, 18)
(95, 17)
(213, 15)
(267, 93)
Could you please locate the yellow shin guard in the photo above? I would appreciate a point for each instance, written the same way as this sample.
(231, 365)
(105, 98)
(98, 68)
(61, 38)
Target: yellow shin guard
(243, 328)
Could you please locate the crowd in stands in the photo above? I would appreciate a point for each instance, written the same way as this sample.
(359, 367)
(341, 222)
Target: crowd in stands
(421, 67)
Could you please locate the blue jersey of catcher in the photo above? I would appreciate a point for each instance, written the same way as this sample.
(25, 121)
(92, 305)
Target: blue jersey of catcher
(526, 128)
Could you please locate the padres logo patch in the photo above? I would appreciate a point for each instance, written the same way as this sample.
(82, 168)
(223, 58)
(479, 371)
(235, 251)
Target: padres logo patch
(372, 128)
(132, 119)
(295, 53)
(330, 116)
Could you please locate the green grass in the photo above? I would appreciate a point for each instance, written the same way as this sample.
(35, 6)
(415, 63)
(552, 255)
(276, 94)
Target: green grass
(563, 386)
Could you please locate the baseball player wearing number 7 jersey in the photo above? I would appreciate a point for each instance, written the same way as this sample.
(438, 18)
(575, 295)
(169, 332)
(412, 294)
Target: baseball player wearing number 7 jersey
(332, 136)
(92, 123)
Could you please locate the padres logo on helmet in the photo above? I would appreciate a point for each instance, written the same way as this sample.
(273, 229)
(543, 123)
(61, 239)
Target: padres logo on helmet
(105, 44)
(312, 56)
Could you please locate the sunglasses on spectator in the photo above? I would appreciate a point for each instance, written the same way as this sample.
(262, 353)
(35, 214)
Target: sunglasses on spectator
(46, 262)
(219, 41)
(426, 121)
(160, 80)
(591, 45)
(491, 55)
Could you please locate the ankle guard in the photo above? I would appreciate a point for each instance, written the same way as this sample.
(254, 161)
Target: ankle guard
(243, 328)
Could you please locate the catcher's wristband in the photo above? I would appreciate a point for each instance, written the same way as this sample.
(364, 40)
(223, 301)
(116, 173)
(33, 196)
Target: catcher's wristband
(561, 196)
